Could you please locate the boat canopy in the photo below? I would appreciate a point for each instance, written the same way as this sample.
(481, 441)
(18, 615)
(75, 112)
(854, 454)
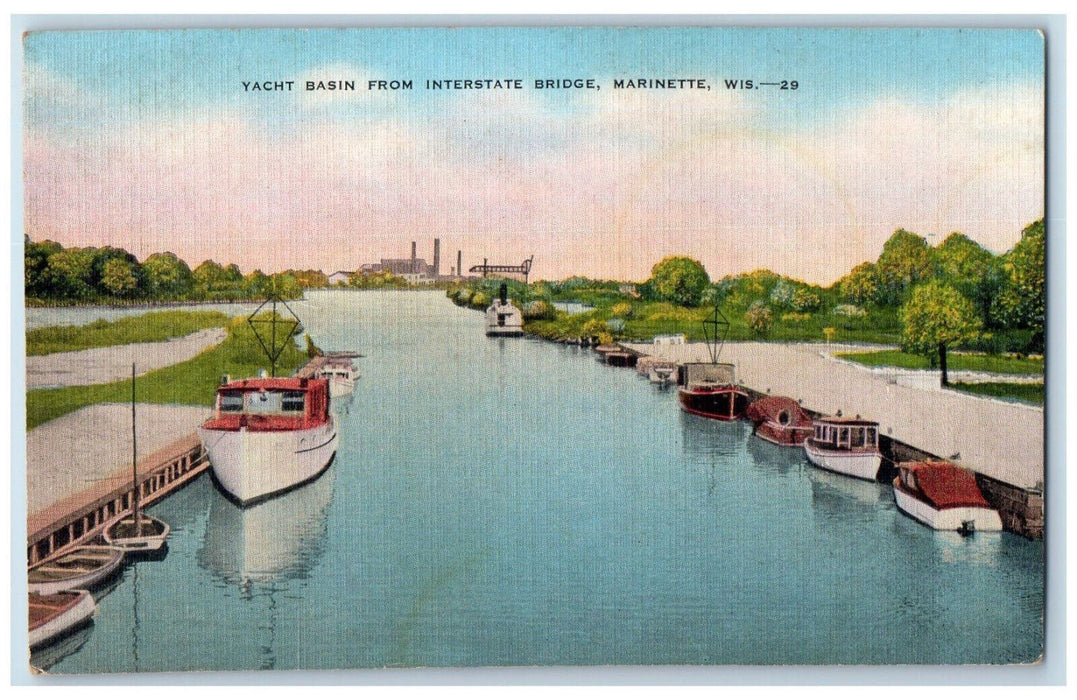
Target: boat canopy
(779, 409)
(280, 403)
(943, 485)
(847, 433)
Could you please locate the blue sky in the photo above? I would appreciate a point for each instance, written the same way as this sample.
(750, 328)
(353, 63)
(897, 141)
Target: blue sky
(161, 116)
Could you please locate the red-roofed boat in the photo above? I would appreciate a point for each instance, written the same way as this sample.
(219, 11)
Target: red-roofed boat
(269, 435)
(845, 445)
(781, 420)
(943, 496)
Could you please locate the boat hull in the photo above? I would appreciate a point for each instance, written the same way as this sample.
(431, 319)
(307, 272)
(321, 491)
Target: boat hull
(725, 404)
(862, 465)
(784, 435)
(120, 533)
(986, 519)
(51, 617)
(338, 386)
(504, 331)
(81, 568)
(251, 466)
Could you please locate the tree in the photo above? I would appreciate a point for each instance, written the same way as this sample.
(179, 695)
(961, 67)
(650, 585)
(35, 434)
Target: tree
(36, 267)
(167, 276)
(118, 278)
(861, 285)
(679, 280)
(938, 317)
(905, 261)
(970, 269)
(70, 274)
(1022, 302)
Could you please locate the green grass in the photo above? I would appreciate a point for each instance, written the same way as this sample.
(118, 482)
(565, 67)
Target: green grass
(147, 328)
(1029, 393)
(1000, 364)
(192, 382)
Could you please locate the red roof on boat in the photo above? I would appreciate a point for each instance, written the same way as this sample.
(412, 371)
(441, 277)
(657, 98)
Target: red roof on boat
(772, 407)
(270, 384)
(947, 485)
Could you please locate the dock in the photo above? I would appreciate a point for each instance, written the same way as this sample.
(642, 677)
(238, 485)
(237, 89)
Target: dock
(1003, 442)
(78, 470)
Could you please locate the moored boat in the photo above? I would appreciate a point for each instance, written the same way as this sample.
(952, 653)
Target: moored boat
(136, 532)
(781, 420)
(710, 389)
(269, 435)
(502, 318)
(55, 615)
(340, 373)
(943, 496)
(845, 445)
(662, 373)
(82, 567)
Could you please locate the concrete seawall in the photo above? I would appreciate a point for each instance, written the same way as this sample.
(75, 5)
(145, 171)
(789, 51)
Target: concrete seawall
(1003, 442)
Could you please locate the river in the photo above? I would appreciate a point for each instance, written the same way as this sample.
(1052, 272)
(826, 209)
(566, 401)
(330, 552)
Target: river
(514, 502)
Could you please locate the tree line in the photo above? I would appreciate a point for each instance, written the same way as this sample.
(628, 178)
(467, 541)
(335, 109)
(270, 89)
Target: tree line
(54, 274)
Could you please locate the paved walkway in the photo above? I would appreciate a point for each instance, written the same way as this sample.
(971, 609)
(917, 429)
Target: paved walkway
(1000, 439)
(74, 452)
(102, 365)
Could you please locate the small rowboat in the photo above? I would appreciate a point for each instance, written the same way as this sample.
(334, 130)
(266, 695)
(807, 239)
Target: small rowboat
(53, 616)
(136, 532)
(80, 568)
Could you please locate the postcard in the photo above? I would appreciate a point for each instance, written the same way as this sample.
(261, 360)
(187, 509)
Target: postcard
(430, 347)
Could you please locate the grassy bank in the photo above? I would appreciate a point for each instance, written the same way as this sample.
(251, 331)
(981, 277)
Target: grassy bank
(1001, 364)
(192, 382)
(149, 328)
(1028, 393)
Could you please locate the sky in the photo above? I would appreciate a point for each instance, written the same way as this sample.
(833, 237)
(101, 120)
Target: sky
(148, 140)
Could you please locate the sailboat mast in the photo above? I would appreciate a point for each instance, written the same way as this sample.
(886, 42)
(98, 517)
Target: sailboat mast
(134, 460)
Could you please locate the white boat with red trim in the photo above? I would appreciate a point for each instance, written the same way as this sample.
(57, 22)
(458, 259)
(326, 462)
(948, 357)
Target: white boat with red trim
(269, 435)
(943, 496)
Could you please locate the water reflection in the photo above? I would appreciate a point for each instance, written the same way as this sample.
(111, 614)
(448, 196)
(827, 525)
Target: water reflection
(46, 657)
(978, 548)
(776, 458)
(827, 486)
(279, 538)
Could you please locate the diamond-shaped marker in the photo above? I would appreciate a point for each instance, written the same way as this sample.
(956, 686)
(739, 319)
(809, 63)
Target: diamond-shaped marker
(274, 342)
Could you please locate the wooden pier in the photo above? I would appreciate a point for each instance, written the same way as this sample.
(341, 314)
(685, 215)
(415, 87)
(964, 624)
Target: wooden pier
(81, 517)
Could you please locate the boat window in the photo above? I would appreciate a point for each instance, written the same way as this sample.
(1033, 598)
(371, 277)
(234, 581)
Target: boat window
(264, 402)
(293, 401)
(232, 401)
(872, 438)
(843, 436)
(857, 437)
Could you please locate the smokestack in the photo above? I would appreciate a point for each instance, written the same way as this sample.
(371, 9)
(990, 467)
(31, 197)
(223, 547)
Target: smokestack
(459, 263)
(413, 255)
(437, 257)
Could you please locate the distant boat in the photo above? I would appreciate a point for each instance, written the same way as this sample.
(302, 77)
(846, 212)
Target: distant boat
(340, 372)
(55, 615)
(781, 420)
(943, 496)
(710, 389)
(502, 318)
(662, 373)
(135, 531)
(80, 568)
(845, 445)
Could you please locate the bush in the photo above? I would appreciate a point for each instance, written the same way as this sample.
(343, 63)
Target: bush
(539, 309)
(758, 317)
(479, 301)
(622, 310)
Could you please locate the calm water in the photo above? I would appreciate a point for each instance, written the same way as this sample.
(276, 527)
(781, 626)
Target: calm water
(509, 501)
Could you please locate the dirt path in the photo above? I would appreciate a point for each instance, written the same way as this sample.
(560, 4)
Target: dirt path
(102, 365)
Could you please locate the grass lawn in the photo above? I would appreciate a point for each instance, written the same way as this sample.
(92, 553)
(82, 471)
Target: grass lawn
(1029, 393)
(147, 328)
(193, 382)
(954, 361)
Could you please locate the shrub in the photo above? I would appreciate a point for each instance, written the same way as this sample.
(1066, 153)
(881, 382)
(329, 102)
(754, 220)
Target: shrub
(758, 317)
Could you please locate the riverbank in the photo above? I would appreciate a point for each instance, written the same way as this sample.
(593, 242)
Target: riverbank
(1002, 440)
(113, 363)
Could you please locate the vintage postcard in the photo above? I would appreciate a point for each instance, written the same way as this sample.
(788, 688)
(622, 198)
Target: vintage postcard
(419, 347)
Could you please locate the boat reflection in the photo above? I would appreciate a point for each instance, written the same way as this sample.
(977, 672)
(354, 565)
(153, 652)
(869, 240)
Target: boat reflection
(775, 458)
(48, 656)
(982, 547)
(827, 485)
(706, 438)
(281, 538)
